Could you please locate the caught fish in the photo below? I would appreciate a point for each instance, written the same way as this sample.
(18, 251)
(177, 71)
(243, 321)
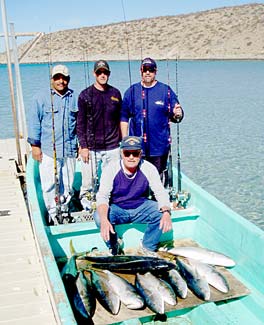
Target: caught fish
(203, 255)
(155, 292)
(85, 300)
(142, 265)
(195, 281)
(125, 290)
(79, 292)
(177, 283)
(104, 292)
(117, 258)
(213, 277)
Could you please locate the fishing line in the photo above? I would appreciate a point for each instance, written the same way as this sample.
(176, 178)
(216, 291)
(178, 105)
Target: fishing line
(126, 32)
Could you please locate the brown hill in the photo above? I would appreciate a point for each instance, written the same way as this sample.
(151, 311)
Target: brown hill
(224, 33)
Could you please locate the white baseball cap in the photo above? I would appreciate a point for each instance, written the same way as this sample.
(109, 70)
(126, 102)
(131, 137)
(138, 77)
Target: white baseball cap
(60, 69)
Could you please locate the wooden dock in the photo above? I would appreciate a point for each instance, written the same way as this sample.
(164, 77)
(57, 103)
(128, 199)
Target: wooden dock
(24, 293)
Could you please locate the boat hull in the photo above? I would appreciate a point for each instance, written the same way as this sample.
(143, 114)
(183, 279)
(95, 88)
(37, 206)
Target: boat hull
(206, 221)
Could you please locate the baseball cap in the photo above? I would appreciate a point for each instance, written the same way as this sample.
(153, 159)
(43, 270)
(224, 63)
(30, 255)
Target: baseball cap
(60, 69)
(101, 64)
(131, 143)
(149, 63)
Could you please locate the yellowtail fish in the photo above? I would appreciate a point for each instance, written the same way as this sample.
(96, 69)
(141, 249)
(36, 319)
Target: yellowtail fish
(203, 255)
(104, 292)
(155, 292)
(195, 281)
(213, 276)
(125, 291)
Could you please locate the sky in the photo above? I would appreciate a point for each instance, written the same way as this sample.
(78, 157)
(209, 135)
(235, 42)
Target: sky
(53, 15)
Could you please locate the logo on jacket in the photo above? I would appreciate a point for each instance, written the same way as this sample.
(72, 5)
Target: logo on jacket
(159, 102)
(114, 99)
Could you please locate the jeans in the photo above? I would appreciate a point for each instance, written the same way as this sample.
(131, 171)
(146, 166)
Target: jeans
(90, 171)
(147, 213)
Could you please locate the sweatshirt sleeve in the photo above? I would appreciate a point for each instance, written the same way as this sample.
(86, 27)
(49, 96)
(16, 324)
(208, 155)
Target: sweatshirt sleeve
(106, 182)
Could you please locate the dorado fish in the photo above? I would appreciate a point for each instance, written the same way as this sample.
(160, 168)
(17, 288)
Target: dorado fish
(143, 265)
(104, 292)
(117, 258)
(125, 290)
(213, 277)
(155, 292)
(203, 255)
(177, 283)
(195, 281)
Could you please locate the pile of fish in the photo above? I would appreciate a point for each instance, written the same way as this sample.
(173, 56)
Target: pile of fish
(157, 281)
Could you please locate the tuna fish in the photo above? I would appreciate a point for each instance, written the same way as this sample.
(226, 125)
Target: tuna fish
(203, 255)
(125, 291)
(195, 281)
(213, 277)
(155, 292)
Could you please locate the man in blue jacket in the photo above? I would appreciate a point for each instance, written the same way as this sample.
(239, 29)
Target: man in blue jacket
(123, 198)
(52, 136)
(147, 110)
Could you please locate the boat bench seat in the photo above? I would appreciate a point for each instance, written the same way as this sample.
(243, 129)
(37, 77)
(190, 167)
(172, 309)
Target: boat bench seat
(190, 213)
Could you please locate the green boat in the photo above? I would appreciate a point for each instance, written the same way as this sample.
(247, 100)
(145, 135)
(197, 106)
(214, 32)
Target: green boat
(205, 221)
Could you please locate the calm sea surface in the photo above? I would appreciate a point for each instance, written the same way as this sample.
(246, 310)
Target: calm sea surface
(222, 135)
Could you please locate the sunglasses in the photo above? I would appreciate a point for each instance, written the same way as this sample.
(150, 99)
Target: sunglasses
(135, 154)
(105, 72)
(150, 69)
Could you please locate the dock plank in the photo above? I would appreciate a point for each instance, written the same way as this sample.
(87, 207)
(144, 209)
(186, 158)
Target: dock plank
(22, 284)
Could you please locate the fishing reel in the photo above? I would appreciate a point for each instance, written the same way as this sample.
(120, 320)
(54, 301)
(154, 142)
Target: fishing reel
(180, 199)
(88, 202)
(62, 210)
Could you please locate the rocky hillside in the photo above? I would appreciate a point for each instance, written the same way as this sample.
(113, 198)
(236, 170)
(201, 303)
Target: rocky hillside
(225, 33)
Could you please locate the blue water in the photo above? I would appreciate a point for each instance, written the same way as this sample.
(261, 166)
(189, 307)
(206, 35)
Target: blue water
(222, 135)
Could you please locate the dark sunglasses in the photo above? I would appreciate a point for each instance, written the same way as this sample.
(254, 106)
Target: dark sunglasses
(105, 72)
(133, 153)
(150, 69)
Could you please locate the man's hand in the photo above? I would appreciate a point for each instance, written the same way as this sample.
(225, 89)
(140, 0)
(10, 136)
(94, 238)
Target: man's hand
(177, 111)
(106, 228)
(84, 153)
(165, 222)
(36, 153)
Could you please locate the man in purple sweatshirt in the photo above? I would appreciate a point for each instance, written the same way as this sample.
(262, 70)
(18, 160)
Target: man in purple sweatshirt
(123, 198)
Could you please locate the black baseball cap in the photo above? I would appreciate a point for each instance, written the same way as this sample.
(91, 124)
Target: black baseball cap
(101, 64)
(148, 62)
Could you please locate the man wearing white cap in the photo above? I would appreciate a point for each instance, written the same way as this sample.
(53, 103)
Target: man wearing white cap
(52, 135)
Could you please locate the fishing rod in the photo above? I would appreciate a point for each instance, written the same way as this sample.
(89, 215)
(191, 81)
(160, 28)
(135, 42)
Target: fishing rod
(169, 170)
(55, 167)
(181, 196)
